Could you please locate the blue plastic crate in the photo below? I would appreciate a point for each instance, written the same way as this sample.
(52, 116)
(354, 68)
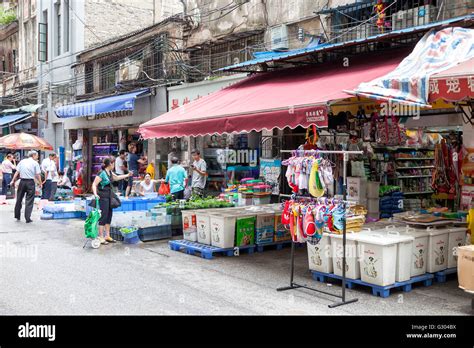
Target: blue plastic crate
(127, 205)
(140, 205)
(133, 240)
(69, 215)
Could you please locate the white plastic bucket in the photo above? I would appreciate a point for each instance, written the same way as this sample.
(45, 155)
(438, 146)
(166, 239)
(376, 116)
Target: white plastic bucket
(352, 264)
(457, 238)
(203, 226)
(319, 255)
(437, 249)
(404, 255)
(189, 225)
(378, 255)
(222, 230)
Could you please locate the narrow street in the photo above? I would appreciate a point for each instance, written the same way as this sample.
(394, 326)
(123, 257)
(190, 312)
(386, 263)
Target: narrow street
(45, 271)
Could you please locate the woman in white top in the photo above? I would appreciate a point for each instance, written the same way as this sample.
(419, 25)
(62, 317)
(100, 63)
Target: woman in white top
(147, 185)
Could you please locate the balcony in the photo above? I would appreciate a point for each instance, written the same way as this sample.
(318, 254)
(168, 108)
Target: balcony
(361, 19)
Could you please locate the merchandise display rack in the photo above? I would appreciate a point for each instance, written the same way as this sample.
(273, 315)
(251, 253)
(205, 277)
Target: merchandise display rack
(293, 284)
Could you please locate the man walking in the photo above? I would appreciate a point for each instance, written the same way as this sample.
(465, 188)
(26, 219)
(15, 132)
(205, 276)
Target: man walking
(28, 170)
(48, 167)
(121, 169)
(176, 177)
(199, 168)
(8, 165)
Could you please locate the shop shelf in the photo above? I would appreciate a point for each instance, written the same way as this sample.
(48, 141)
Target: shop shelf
(415, 159)
(154, 233)
(418, 193)
(413, 176)
(418, 167)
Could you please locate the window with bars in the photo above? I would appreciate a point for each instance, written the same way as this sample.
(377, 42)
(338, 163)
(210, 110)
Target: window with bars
(108, 73)
(89, 77)
(217, 56)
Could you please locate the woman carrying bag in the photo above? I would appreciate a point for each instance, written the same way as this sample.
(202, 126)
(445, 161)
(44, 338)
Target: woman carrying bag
(108, 200)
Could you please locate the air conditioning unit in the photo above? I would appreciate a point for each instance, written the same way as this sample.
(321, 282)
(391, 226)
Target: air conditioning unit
(129, 70)
(279, 38)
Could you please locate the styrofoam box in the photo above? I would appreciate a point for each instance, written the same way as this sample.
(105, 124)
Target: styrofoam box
(457, 238)
(377, 255)
(352, 263)
(189, 225)
(222, 230)
(319, 255)
(357, 189)
(437, 249)
(373, 205)
(373, 188)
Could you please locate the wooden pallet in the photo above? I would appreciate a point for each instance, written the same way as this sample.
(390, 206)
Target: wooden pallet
(377, 290)
(207, 251)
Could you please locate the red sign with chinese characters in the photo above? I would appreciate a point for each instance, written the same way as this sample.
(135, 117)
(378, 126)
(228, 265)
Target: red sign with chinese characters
(451, 89)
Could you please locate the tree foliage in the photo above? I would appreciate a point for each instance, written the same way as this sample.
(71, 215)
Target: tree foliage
(6, 16)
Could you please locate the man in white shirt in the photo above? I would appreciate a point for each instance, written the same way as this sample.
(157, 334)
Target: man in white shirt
(28, 170)
(54, 180)
(48, 167)
(199, 168)
(120, 169)
(8, 165)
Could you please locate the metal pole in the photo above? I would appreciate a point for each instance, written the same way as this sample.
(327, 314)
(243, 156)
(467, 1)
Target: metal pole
(344, 196)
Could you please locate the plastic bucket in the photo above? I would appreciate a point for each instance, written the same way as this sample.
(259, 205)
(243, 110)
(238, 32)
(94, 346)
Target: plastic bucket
(222, 230)
(457, 238)
(352, 263)
(189, 225)
(320, 254)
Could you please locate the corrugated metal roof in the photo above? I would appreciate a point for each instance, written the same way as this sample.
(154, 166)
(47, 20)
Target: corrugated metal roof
(279, 56)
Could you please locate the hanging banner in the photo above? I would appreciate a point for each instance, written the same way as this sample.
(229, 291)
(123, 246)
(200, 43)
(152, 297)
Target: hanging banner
(270, 170)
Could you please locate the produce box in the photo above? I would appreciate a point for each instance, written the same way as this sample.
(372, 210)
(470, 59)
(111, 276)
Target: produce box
(245, 231)
(466, 267)
(281, 234)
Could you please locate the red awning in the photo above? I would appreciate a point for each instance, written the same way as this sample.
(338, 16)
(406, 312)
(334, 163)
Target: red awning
(454, 84)
(286, 98)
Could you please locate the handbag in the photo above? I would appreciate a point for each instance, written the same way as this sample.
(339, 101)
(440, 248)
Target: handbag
(114, 201)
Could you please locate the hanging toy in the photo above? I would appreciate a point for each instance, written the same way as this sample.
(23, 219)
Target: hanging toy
(311, 139)
(379, 8)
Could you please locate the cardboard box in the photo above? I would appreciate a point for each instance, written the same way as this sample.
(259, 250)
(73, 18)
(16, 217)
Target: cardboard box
(356, 189)
(245, 231)
(466, 267)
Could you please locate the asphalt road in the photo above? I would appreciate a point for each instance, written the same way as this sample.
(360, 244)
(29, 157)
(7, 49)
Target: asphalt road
(44, 270)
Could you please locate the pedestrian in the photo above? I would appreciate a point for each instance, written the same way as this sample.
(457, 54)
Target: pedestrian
(171, 155)
(8, 165)
(48, 166)
(54, 179)
(176, 177)
(121, 169)
(133, 163)
(64, 182)
(102, 189)
(199, 168)
(28, 170)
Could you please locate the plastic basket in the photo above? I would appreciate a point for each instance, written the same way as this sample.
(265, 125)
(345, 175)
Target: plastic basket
(154, 233)
(133, 240)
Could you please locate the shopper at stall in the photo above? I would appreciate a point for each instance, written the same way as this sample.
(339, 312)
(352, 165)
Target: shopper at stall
(8, 165)
(48, 166)
(133, 162)
(148, 185)
(199, 168)
(176, 177)
(27, 170)
(54, 179)
(121, 169)
(64, 182)
(102, 189)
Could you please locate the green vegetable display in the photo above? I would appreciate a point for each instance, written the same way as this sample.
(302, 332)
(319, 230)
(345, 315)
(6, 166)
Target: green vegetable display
(196, 203)
(127, 230)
